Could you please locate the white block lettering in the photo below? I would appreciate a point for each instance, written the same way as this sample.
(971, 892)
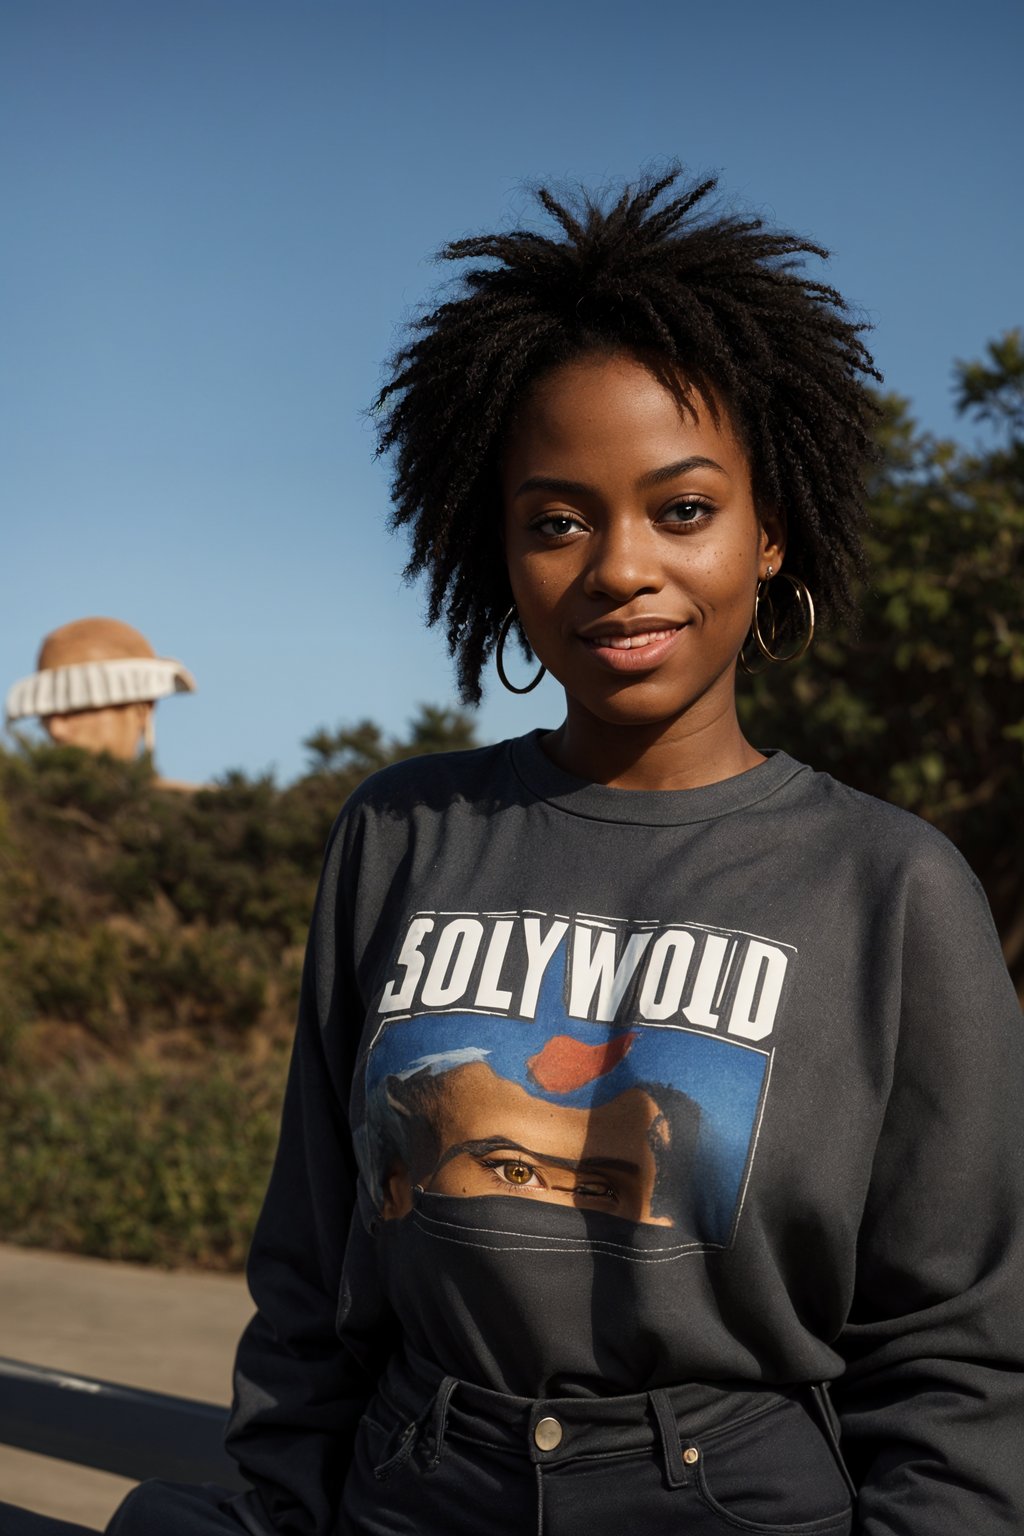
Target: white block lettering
(594, 970)
(538, 952)
(669, 961)
(758, 992)
(452, 965)
(396, 997)
(701, 1007)
(488, 993)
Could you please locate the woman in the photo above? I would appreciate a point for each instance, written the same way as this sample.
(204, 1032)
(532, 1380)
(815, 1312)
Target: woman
(644, 1081)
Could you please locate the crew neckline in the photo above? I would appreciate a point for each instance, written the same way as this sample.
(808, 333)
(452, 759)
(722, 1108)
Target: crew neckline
(646, 807)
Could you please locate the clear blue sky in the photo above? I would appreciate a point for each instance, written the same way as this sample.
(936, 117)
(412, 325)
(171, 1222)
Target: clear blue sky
(217, 212)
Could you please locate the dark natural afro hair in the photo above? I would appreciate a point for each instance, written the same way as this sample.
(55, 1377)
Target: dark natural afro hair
(722, 298)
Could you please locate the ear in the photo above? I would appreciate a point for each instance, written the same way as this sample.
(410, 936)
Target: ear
(772, 545)
(397, 1195)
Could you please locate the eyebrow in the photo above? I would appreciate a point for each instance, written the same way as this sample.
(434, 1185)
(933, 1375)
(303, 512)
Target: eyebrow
(504, 1143)
(653, 477)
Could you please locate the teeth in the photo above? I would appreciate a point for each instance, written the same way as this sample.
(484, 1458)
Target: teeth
(630, 642)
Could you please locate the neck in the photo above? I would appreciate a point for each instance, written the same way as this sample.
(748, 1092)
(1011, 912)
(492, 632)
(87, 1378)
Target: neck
(678, 754)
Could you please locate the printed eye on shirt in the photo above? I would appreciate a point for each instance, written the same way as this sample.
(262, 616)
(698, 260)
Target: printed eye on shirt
(596, 1063)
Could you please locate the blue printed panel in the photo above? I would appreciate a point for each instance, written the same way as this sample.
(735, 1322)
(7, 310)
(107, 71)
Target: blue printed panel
(651, 1123)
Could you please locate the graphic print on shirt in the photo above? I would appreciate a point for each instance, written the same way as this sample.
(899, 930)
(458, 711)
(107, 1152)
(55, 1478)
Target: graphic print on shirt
(601, 1064)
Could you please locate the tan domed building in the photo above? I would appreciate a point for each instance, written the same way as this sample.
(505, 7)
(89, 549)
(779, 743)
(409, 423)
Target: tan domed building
(96, 685)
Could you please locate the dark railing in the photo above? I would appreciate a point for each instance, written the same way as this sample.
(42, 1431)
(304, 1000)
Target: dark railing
(113, 1428)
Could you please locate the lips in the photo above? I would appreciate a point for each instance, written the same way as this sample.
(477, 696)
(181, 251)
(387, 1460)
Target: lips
(637, 646)
(637, 642)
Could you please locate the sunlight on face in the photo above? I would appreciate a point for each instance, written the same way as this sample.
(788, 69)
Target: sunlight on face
(633, 542)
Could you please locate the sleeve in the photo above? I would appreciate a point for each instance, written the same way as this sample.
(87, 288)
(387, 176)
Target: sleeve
(300, 1388)
(932, 1401)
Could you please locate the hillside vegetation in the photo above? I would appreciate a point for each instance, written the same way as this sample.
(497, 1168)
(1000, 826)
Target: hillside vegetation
(150, 951)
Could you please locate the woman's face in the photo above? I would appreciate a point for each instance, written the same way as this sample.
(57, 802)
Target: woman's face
(633, 544)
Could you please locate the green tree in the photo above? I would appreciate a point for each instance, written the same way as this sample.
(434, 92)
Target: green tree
(993, 391)
(924, 706)
(354, 751)
(440, 730)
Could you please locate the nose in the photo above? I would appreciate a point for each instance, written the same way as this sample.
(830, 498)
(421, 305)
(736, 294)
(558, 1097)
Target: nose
(625, 560)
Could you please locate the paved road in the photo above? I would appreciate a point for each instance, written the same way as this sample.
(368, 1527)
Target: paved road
(169, 1331)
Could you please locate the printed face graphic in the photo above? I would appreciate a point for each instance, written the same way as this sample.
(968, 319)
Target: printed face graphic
(588, 1066)
(491, 1137)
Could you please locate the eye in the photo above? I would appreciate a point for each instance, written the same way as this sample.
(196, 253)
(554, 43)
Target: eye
(557, 525)
(594, 1190)
(514, 1171)
(517, 1173)
(687, 513)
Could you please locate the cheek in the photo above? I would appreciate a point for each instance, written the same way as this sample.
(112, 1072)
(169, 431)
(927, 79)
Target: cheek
(461, 1176)
(727, 577)
(527, 593)
(539, 585)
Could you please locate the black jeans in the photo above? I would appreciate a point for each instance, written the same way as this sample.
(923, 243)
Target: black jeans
(441, 1458)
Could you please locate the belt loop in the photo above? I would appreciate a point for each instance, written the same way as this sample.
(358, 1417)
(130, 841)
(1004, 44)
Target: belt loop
(439, 1419)
(675, 1468)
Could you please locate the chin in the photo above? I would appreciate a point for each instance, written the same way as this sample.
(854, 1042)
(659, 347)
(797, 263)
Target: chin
(626, 709)
(649, 703)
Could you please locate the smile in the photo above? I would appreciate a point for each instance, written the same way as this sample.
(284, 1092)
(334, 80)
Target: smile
(633, 653)
(631, 642)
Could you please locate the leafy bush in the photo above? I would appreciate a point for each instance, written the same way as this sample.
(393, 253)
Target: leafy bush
(150, 954)
(133, 1161)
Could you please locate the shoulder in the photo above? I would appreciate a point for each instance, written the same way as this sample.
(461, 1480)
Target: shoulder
(393, 803)
(432, 783)
(903, 885)
(888, 846)
(405, 822)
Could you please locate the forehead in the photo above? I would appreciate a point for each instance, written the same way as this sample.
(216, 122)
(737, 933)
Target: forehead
(618, 409)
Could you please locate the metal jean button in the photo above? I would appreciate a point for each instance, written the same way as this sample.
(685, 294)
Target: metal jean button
(547, 1434)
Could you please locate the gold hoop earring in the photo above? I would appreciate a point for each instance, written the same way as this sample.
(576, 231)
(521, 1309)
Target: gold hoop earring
(503, 633)
(759, 624)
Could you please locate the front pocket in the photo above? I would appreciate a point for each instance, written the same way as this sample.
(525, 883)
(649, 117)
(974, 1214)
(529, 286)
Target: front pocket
(393, 1450)
(773, 1474)
(387, 1433)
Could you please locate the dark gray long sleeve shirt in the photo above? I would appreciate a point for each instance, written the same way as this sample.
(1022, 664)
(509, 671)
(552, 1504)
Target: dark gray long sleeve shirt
(597, 1090)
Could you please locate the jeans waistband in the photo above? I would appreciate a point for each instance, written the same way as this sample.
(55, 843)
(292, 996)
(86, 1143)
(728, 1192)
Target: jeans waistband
(553, 1429)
